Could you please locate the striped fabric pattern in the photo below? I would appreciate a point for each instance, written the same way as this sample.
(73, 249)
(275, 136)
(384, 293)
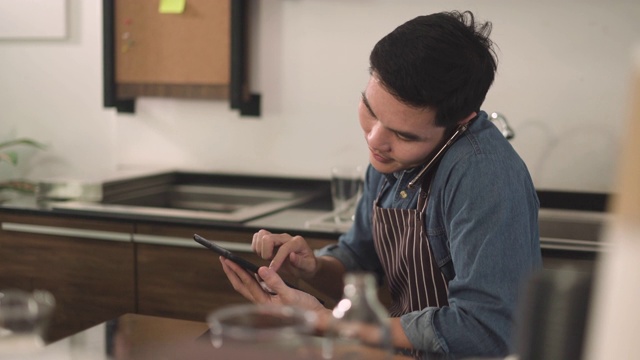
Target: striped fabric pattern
(415, 280)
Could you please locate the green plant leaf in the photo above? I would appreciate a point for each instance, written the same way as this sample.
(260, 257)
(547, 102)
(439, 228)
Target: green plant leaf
(9, 156)
(23, 141)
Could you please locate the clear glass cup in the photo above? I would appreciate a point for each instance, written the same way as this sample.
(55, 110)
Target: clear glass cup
(273, 330)
(346, 188)
(24, 317)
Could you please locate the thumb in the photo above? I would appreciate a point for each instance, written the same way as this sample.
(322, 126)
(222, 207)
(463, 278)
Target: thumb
(272, 279)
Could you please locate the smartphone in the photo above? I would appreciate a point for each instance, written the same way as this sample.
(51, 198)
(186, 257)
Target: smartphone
(245, 264)
(434, 160)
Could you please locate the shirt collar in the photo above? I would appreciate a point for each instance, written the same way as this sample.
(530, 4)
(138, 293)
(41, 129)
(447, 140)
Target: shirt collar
(399, 174)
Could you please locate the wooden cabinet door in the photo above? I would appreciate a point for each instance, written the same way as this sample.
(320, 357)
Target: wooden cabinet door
(179, 278)
(181, 282)
(87, 265)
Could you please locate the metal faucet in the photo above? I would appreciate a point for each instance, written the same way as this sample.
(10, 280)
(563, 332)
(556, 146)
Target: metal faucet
(501, 123)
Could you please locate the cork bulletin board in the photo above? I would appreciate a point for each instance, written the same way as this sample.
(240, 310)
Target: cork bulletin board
(179, 53)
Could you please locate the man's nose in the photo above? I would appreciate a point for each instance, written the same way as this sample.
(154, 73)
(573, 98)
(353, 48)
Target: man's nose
(378, 138)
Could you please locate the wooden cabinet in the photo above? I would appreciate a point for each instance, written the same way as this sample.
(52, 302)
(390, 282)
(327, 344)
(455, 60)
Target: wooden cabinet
(99, 269)
(177, 277)
(87, 265)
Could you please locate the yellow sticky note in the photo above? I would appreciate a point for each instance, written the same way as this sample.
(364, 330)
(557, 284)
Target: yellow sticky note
(172, 6)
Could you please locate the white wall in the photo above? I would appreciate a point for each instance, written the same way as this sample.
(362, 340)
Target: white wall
(562, 83)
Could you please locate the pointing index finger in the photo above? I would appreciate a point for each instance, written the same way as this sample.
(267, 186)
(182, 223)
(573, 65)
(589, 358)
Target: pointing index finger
(282, 254)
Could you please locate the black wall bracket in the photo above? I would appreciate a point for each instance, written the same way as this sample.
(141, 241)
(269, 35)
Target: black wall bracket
(109, 62)
(241, 97)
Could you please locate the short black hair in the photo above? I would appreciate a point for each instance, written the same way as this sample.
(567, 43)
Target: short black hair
(444, 61)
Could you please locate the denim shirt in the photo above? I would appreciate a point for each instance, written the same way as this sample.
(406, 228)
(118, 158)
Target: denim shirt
(482, 225)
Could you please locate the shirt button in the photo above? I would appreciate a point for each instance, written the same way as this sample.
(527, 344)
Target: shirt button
(403, 194)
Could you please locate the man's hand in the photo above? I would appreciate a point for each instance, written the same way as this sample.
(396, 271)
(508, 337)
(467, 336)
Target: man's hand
(249, 287)
(291, 253)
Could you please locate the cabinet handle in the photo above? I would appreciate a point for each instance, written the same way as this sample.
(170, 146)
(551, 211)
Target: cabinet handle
(188, 242)
(64, 231)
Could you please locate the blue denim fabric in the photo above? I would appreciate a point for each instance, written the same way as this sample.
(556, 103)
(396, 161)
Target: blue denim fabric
(482, 224)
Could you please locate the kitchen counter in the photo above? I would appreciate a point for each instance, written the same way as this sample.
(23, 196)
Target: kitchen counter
(297, 218)
(568, 221)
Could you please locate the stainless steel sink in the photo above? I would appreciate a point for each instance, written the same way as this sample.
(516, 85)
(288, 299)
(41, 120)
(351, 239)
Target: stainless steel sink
(223, 201)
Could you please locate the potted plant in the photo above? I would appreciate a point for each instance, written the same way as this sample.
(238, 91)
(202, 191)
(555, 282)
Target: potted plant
(10, 156)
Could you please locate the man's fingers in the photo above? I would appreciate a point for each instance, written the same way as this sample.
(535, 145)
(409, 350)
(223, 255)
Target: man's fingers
(273, 280)
(285, 250)
(286, 294)
(265, 243)
(234, 279)
(243, 282)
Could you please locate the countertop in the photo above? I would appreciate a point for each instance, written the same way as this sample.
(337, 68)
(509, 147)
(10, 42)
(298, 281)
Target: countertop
(311, 219)
(559, 211)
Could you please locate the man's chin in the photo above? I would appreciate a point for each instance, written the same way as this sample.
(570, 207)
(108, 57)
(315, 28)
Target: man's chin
(384, 168)
(390, 168)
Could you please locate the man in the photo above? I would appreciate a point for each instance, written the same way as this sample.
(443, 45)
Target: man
(449, 211)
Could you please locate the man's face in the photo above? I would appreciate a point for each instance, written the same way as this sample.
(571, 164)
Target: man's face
(399, 136)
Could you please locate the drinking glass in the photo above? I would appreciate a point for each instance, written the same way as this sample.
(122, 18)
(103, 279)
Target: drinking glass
(266, 330)
(346, 188)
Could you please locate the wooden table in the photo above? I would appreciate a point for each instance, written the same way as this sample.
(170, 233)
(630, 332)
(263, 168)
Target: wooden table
(136, 337)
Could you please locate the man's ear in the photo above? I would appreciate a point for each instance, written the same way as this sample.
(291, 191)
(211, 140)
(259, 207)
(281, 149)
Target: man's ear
(468, 118)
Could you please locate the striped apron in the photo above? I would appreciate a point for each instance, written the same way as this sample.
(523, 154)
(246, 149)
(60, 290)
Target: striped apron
(415, 280)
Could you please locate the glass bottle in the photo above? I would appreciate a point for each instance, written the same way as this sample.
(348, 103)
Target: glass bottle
(359, 328)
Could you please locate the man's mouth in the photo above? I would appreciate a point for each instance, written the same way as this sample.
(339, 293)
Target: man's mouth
(379, 157)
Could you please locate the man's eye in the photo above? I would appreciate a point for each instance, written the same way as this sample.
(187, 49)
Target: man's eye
(403, 137)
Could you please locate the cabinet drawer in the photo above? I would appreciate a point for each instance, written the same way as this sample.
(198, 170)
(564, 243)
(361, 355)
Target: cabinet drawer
(91, 280)
(182, 282)
(180, 278)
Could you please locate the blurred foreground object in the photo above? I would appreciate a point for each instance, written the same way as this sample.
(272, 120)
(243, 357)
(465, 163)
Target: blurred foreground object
(24, 318)
(263, 329)
(359, 321)
(615, 318)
